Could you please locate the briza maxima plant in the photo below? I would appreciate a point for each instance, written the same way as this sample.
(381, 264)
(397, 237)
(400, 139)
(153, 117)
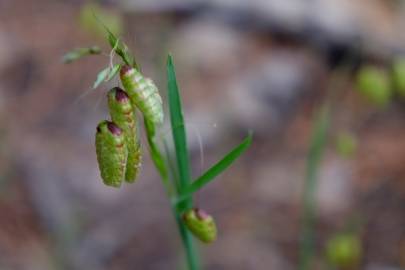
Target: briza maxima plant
(118, 146)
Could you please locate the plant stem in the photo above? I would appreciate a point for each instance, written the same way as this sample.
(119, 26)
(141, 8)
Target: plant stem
(318, 142)
(193, 261)
(186, 238)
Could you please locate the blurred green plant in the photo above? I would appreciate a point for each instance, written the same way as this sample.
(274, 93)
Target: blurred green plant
(346, 144)
(315, 154)
(78, 53)
(398, 75)
(175, 178)
(344, 250)
(92, 13)
(374, 84)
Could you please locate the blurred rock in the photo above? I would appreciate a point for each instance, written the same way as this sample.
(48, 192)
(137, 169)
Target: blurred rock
(160, 6)
(375, 266)
(208, 47)
(327, 24)
(335, 188)
(16, 66)
(265, 97)
(239, 252)
(276, 183)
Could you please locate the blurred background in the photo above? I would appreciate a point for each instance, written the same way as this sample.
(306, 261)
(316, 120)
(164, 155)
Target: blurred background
(261, 65)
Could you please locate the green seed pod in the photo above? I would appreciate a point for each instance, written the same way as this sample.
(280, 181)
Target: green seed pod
(374, 84)
(143, 93)
(111, 153)
(201, 225)
(123, 114)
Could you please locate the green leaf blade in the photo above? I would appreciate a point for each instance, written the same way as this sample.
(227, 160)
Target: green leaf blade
(178, 128)
(217, 169)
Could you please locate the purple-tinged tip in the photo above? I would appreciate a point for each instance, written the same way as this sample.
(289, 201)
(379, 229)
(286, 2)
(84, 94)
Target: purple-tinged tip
(125, 69)
(201, 214)
(120, 95)
(113, 128)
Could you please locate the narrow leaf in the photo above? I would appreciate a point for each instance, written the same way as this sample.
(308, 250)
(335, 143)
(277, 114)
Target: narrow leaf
(112, 72)
(102, 75)
(78, 53)
(178, 129)
(218, 168)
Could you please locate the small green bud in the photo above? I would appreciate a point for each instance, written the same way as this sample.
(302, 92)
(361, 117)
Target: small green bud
(201, 225)
(111, 152)
(344, 250)
(374, 84)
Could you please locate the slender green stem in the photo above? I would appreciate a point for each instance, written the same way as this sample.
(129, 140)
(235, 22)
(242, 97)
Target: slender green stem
(187, 241)
(193, 261)
(318, 142)
(157, 158)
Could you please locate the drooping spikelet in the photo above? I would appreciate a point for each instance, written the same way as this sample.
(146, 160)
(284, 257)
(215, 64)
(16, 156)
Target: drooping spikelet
(143, 93)
(123, 114)
(111, 152)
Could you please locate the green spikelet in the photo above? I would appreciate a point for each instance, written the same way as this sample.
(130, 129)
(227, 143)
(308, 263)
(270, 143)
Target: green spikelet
(143, 93)
(111, 152)
(201, 225)
(123, 114)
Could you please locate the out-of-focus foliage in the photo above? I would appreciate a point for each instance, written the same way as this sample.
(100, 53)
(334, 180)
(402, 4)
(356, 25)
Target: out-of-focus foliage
(398, 75)
(78, 53)
(374, 84)
(92, 14)
(346, 144)
(344, 250)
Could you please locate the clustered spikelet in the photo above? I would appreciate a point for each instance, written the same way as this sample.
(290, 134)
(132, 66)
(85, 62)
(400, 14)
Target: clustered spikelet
(140, 93)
